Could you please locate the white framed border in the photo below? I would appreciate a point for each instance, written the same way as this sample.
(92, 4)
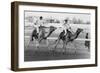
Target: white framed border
(34, 64)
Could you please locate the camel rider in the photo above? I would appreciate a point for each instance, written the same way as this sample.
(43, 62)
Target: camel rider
(38, 23)
(66, 27)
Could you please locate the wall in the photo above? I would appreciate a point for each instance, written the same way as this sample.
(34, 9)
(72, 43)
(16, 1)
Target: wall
(5, 40)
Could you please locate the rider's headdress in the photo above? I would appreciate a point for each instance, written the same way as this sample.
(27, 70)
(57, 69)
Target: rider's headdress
(66, 20)
(41, 17)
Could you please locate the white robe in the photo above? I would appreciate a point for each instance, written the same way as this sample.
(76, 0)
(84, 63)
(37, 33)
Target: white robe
(38, 24)
(65, 27)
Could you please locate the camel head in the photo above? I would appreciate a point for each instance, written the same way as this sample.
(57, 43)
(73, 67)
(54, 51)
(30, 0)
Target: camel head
(79, 30)
(52, 28)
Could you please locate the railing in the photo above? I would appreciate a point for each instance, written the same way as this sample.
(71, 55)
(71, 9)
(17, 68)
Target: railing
(52, 38)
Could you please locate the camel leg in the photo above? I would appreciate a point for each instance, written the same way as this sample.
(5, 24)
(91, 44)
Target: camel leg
(75, 47)
(57, 42)
(30, 41)
(47, 42)
(64, 46)
(48, 45)
(37, 44)
(28, 45)
(55, 46)
(89, 48)
(40, 39)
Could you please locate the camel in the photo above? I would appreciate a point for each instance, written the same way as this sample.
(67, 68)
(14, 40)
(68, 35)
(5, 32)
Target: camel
(69, 37)
(43, 35)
